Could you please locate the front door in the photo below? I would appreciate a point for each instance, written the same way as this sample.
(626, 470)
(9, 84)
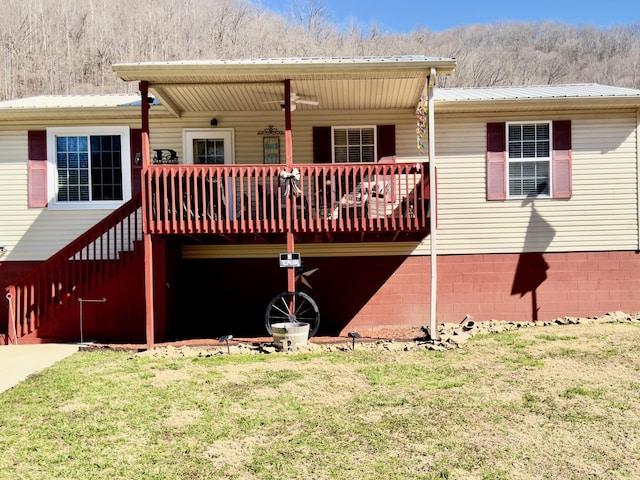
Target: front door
(211, 146)
(208, 146)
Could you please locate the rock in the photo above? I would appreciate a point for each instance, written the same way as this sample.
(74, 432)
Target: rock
(459, 339)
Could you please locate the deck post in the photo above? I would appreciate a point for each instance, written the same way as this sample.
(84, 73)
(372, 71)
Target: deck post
(148, 250)
(288, 148)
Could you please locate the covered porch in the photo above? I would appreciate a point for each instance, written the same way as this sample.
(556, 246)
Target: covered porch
(367, 194)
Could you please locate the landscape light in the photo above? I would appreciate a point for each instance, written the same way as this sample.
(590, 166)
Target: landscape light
(353, 336)
(226, 338)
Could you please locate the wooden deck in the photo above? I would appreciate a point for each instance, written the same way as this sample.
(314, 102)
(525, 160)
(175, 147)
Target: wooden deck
(328, 200)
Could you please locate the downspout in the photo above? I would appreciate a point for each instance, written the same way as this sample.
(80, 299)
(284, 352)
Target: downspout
(433, 324)
(148, 252)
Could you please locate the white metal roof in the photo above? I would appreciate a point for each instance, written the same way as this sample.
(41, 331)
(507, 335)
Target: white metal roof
(290, 66)
(446, 99)
(72, 101)
(585, 90)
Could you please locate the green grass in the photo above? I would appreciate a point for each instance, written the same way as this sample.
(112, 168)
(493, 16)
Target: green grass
(516, 405)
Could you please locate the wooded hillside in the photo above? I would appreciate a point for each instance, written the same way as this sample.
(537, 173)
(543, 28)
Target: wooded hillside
(67, 47)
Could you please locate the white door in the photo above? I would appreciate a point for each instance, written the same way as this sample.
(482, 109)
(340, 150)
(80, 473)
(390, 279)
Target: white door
(211, 146)
(208, 146)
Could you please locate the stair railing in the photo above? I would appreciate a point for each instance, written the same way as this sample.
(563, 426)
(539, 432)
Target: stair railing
(88, 261)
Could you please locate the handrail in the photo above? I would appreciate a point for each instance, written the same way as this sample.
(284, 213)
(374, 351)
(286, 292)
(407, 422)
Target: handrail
(333, 198)
(89, 260)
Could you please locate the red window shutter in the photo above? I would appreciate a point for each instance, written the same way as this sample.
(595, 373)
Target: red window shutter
(496, 162)
(561, 158)
(386, 140)
(135, 141)
(37, 168)
(322, 145)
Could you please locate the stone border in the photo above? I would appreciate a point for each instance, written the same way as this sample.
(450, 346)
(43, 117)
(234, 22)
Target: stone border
(450, 337)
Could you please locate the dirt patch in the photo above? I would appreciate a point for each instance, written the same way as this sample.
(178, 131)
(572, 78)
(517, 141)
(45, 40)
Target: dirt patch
(449, 336)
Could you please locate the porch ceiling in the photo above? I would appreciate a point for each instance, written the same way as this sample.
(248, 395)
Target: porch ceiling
(257, 85)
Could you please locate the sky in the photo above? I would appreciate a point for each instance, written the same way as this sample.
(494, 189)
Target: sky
(404, 16)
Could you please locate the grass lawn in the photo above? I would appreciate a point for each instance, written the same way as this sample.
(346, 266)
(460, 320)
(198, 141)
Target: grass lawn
(538, 403)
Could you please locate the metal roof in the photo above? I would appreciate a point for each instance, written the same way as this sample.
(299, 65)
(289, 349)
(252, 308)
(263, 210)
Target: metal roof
(535, 98)
(72, 101)
(283, 67)
(587, 90)
(334, 94)
(257, 84)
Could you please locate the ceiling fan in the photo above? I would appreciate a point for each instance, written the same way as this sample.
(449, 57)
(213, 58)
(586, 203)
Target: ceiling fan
(295, 99)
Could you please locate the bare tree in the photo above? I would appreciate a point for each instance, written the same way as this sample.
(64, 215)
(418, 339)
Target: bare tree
(49, 46)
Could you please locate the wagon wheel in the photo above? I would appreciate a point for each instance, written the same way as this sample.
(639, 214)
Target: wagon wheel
(293, 307)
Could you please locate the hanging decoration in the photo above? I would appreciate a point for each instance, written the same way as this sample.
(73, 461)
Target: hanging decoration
(271, 144)
(291, 180)
(270, 131)
(421, 124)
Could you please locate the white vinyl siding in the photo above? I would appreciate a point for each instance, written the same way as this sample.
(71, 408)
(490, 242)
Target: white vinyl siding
(604, 155)
(32, 234)
(601, 215)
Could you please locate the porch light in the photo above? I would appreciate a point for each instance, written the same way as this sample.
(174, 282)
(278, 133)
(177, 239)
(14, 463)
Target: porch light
(213, 122)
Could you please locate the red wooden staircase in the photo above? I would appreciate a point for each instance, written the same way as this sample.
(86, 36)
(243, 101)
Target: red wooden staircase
(104, 262)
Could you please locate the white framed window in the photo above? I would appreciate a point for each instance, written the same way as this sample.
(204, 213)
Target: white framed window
(354, 144)
(89, 167)
(209, 146)
(529, 159)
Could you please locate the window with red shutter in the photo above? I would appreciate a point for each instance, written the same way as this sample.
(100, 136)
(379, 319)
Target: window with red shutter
(353, 144)
(562, 183)
(528, 159)
(37, 168)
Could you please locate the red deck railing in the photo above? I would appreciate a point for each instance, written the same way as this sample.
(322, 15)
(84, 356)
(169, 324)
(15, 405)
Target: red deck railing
(91, 259)
(261, 199)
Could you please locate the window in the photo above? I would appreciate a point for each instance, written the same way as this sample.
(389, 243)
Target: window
(208, 146)
(529, 159)
(208, 151)
(88, 167)
(354, 144)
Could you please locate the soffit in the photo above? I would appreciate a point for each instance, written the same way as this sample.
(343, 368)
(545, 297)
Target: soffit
(258, 85)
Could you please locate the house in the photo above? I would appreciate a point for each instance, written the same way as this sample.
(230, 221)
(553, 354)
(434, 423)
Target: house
(180, 212)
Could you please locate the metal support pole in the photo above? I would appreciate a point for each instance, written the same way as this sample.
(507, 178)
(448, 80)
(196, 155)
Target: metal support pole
(82, 301)
(433, 324)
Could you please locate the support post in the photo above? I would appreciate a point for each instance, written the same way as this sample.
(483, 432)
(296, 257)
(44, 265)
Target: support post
(291, 273)
(148, 292)
(433, 324)
(148, 249)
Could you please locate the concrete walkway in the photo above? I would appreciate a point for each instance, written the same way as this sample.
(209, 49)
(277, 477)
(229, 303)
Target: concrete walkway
(17, 362)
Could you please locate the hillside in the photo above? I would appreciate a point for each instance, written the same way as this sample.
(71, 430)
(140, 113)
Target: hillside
(53, 47)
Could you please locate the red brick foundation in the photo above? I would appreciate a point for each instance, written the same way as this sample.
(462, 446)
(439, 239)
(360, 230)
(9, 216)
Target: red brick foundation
(516, 287)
